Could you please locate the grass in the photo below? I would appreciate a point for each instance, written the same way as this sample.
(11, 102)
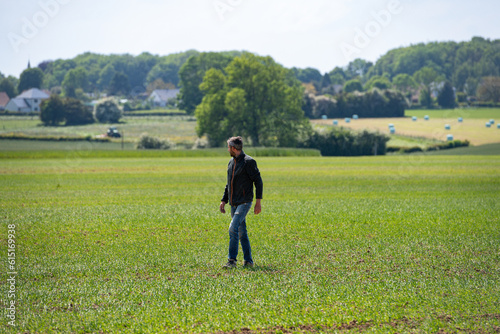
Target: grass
(180, 129)
(466, 113)
(382, 244)
(486, 149)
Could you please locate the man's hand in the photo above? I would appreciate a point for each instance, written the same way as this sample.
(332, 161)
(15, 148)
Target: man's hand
(257, 209)
(221, 207)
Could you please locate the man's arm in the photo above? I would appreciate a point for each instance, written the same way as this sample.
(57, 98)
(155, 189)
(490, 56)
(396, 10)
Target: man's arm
(254, 174)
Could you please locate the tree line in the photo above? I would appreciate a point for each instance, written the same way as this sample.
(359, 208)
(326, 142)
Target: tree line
(411, 69)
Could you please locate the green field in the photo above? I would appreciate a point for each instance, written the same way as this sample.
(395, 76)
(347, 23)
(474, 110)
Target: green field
(180, 129)
(378, 244)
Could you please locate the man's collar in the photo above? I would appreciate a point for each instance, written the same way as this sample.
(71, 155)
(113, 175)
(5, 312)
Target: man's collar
(240, 156)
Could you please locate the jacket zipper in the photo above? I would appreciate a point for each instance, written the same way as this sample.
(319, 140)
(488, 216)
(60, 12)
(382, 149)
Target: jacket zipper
(232, 178)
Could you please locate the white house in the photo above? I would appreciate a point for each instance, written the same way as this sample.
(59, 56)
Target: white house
(28, 101)
(160, 97)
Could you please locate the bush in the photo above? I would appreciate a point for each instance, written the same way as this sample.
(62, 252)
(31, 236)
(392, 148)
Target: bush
(76, 113)
(342, 142)
(461, 97)
(324, 105)
(412, 149)
(436, 147)
(52, 111)
(200, 143)
(107, 111)
(448, 145)
(148, 142)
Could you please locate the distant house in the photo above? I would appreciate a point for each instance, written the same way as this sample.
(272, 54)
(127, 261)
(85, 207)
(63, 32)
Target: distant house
(28, 101)
(4, 99)
(160, 97)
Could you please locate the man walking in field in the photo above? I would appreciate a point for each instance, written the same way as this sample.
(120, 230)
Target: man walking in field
(242, 174)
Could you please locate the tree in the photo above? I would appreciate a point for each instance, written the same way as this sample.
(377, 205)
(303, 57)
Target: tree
(325, 81)
(107, 111)
(425, 76)
(358, 68)
(191, 76)
(308, 105)
(446, 96)
(52, 111)
(425, 98)
(489, 89)
(471, 85)
(378, 82)
(76, 113)
(30, 78)
(256, 98)
(168, 72)
(337, 76)
(404, 83)
(7, 87)
(353, 85)
(158, 84)
(119, 84)
(307, 75)
(105, 76)
(75, 79)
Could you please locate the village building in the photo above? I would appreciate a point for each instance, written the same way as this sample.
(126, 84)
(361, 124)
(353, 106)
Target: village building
(161, 97)
(27, 101)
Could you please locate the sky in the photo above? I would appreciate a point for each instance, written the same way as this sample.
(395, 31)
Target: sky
(321, 34)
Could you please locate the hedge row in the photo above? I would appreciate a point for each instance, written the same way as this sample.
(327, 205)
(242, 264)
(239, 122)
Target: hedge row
(436, 147)
(343, 142)
(19, 113)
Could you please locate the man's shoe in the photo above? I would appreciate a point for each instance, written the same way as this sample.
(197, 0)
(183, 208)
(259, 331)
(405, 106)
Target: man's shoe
(230, 264)
(247, 264)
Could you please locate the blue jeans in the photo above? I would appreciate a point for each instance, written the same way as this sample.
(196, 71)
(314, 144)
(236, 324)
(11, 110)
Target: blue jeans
(238, 231)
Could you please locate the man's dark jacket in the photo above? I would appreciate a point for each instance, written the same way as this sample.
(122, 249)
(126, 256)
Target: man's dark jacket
(242, 174)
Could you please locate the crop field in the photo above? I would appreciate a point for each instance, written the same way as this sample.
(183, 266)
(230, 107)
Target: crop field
(180, 129)
(136, 244)
(473, 128)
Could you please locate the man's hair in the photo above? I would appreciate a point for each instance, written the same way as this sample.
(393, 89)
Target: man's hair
(236, 142)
